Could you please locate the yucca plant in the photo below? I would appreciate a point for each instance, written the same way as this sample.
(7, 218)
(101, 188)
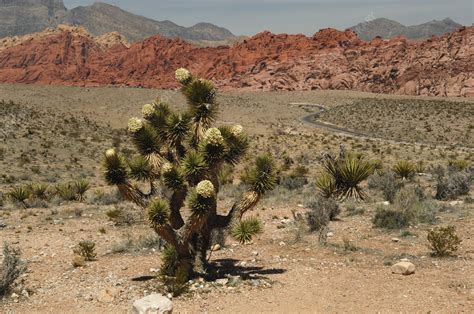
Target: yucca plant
(39, 191)
(326, 185)
(343, 175)
(19, 194)
(178, 174)
(66, 191)
(404, 169)
(246, 229)
(80, 188)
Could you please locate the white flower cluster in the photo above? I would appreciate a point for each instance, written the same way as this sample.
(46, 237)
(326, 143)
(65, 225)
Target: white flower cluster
(205, 189)
(135, 125)
(182, 75)
(110, 153)
(236, 130)
(213, 136)
(148, 110)
(167, 167)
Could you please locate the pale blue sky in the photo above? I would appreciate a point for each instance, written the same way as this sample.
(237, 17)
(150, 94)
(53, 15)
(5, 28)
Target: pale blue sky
(247, 17)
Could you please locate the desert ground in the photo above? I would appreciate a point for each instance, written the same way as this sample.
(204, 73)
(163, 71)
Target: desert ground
(54, 135)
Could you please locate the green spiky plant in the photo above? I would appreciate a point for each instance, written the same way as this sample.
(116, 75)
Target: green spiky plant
(343, 174)
(404, 169)
(176, 173)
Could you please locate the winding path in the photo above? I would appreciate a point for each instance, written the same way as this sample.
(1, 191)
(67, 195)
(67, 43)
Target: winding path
(312, 120)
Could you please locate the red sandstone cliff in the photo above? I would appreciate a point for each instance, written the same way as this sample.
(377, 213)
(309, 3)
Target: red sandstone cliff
(441, 66)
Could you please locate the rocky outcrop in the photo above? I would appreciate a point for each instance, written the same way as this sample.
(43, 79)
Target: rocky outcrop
(331, 59)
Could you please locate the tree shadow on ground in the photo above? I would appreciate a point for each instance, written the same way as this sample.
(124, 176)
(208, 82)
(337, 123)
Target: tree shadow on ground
(222, 268)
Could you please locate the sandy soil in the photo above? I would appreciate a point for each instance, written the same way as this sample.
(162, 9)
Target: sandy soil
(283, 273)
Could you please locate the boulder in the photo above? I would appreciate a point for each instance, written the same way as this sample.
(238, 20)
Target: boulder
(403, 268)
(153, 304)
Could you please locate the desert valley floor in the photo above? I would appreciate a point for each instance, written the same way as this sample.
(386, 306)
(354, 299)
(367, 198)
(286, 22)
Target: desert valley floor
(58, 134)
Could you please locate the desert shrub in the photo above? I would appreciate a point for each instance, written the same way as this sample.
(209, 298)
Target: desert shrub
(19, 195)
(347, 171)
(407, 208)
(12, 268)
(185, 153)
(39, 191)
(106, 198)
(443, 241)
(293, 183)
(458, 165)
(388, 218)
(352, 209)
(387, 183)
(420, 167)
(404, 169)
(317, 218)
(66, 191)
(120, 216)
(86, 249)
(452, 185)
(246, 229)
(296, 179)
(328, 205)
(80, 188)
(299, 172)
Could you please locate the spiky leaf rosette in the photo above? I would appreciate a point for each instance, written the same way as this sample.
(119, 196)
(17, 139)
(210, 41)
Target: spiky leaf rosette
(201, 95)
(115, 168)
(352, 172)
(193, 166)
(404, 169)
(172, 177)
(177, 127)
(246, 229)
(236, 141)
(144, 136)
(326, 185)
(213, 146)
(262, 178)
(158, 213)
(159, 117)
(140, 169)
(200, 205)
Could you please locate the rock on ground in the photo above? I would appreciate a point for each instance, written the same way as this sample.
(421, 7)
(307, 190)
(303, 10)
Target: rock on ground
(403, 268)
(153, 304)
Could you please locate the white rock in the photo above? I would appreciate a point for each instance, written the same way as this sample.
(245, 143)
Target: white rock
(395, 240)
(330, 234)
(153, 304)
(403, 268)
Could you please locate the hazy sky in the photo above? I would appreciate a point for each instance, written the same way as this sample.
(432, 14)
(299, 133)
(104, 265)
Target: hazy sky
(246, 17)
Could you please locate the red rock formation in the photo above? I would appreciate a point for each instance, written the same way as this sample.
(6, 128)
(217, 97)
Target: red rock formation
(330, 59)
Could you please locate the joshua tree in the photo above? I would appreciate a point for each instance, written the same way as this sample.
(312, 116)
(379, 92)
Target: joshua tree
(175, 175)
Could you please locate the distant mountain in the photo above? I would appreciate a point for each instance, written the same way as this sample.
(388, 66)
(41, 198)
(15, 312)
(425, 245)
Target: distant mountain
(386, 28)
(20, 17)
(102, 18)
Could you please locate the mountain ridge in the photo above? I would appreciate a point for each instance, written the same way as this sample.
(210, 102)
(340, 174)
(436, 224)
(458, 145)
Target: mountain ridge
(387, 28)
(22, 17)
